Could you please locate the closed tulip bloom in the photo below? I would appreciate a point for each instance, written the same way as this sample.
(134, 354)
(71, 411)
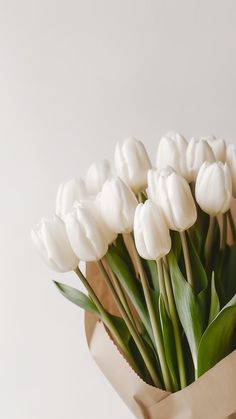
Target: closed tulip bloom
(172, 152)
(68, 193)
(151, 234)
(96, 175)
(132, 163)
(50, 238)
(172, 192)
(198, 151)
(213, 188)
(218, 147)
(117, 205)
(231, 161)
(87, 233)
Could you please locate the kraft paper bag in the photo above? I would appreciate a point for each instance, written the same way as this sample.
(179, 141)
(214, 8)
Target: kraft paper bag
(212, 396)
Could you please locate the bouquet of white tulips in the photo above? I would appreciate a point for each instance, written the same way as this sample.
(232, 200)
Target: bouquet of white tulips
(164, 241)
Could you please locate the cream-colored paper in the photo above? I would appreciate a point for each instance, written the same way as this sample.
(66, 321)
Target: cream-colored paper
(212, 396)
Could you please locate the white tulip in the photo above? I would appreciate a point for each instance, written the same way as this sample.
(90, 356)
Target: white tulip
(117, 205)
(68, 193)
(50, 238)
(198, 151)
(151, 234)
(132, 163)
(218, 147)
(93, 206)
(213, 188)
(96, 176)
(172, 192)
(88, 235)
(172, 152)
(231, 161)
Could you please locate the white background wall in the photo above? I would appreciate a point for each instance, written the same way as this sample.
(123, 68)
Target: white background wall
(75, 77)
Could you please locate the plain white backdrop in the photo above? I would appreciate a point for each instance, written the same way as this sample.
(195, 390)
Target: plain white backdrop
(75, 77)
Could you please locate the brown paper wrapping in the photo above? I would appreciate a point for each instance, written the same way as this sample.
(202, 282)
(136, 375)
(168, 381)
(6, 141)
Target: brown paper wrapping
(212, 396)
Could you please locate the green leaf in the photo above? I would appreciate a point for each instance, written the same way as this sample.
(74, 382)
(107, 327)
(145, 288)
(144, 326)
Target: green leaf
(130, 285)
(215, 303)
(77, 297)
(121, 249)
(202, 225)
(199, 273)
(169, 343)
(175, 243)
(230, 274)
(122, 328)
(219, 339)
(188, 307)
(151, 271)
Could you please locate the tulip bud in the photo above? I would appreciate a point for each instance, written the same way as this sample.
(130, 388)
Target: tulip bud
(172, 192)
(231, 161)
(96, 175)
(172, 152)
(218, 147)
(151, 234)
(132, 163)
(213, 188)
(198, 151)
(117, 205)
(50, 238)
(68, 193)
(88, 235)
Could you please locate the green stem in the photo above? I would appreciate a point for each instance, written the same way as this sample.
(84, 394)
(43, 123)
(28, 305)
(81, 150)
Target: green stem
(162, 285)
(140, 345)
(121, 293)
(224, 232)
(186, 258)
(232, 225)
(176, 326)
(106, 318)
(155, 328)
(209, 243)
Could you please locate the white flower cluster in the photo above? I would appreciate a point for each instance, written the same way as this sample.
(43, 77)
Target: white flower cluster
(91, 213)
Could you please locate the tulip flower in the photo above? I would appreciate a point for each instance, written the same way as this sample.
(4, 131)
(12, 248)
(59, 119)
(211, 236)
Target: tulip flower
(172, 152)
(96, 175)
(132, 163)
(213, 188)
(117, 205)
(151, 234)
(218, 147)
(198, 151)
(231, 161)
(172, 192)
(68, 193)
(51, 241)
(88, 235)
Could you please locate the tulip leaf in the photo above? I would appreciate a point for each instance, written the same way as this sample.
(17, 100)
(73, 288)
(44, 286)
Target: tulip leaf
(219, 339)
(130, 285)
(121, 249)
(199, 273)
(169, 343)
(151, 271)
(121, 327)
(77, 297)
(230, 274)
(83, 301)
(175, 243)
(189, 307)
(215, 303)
(201, 228)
